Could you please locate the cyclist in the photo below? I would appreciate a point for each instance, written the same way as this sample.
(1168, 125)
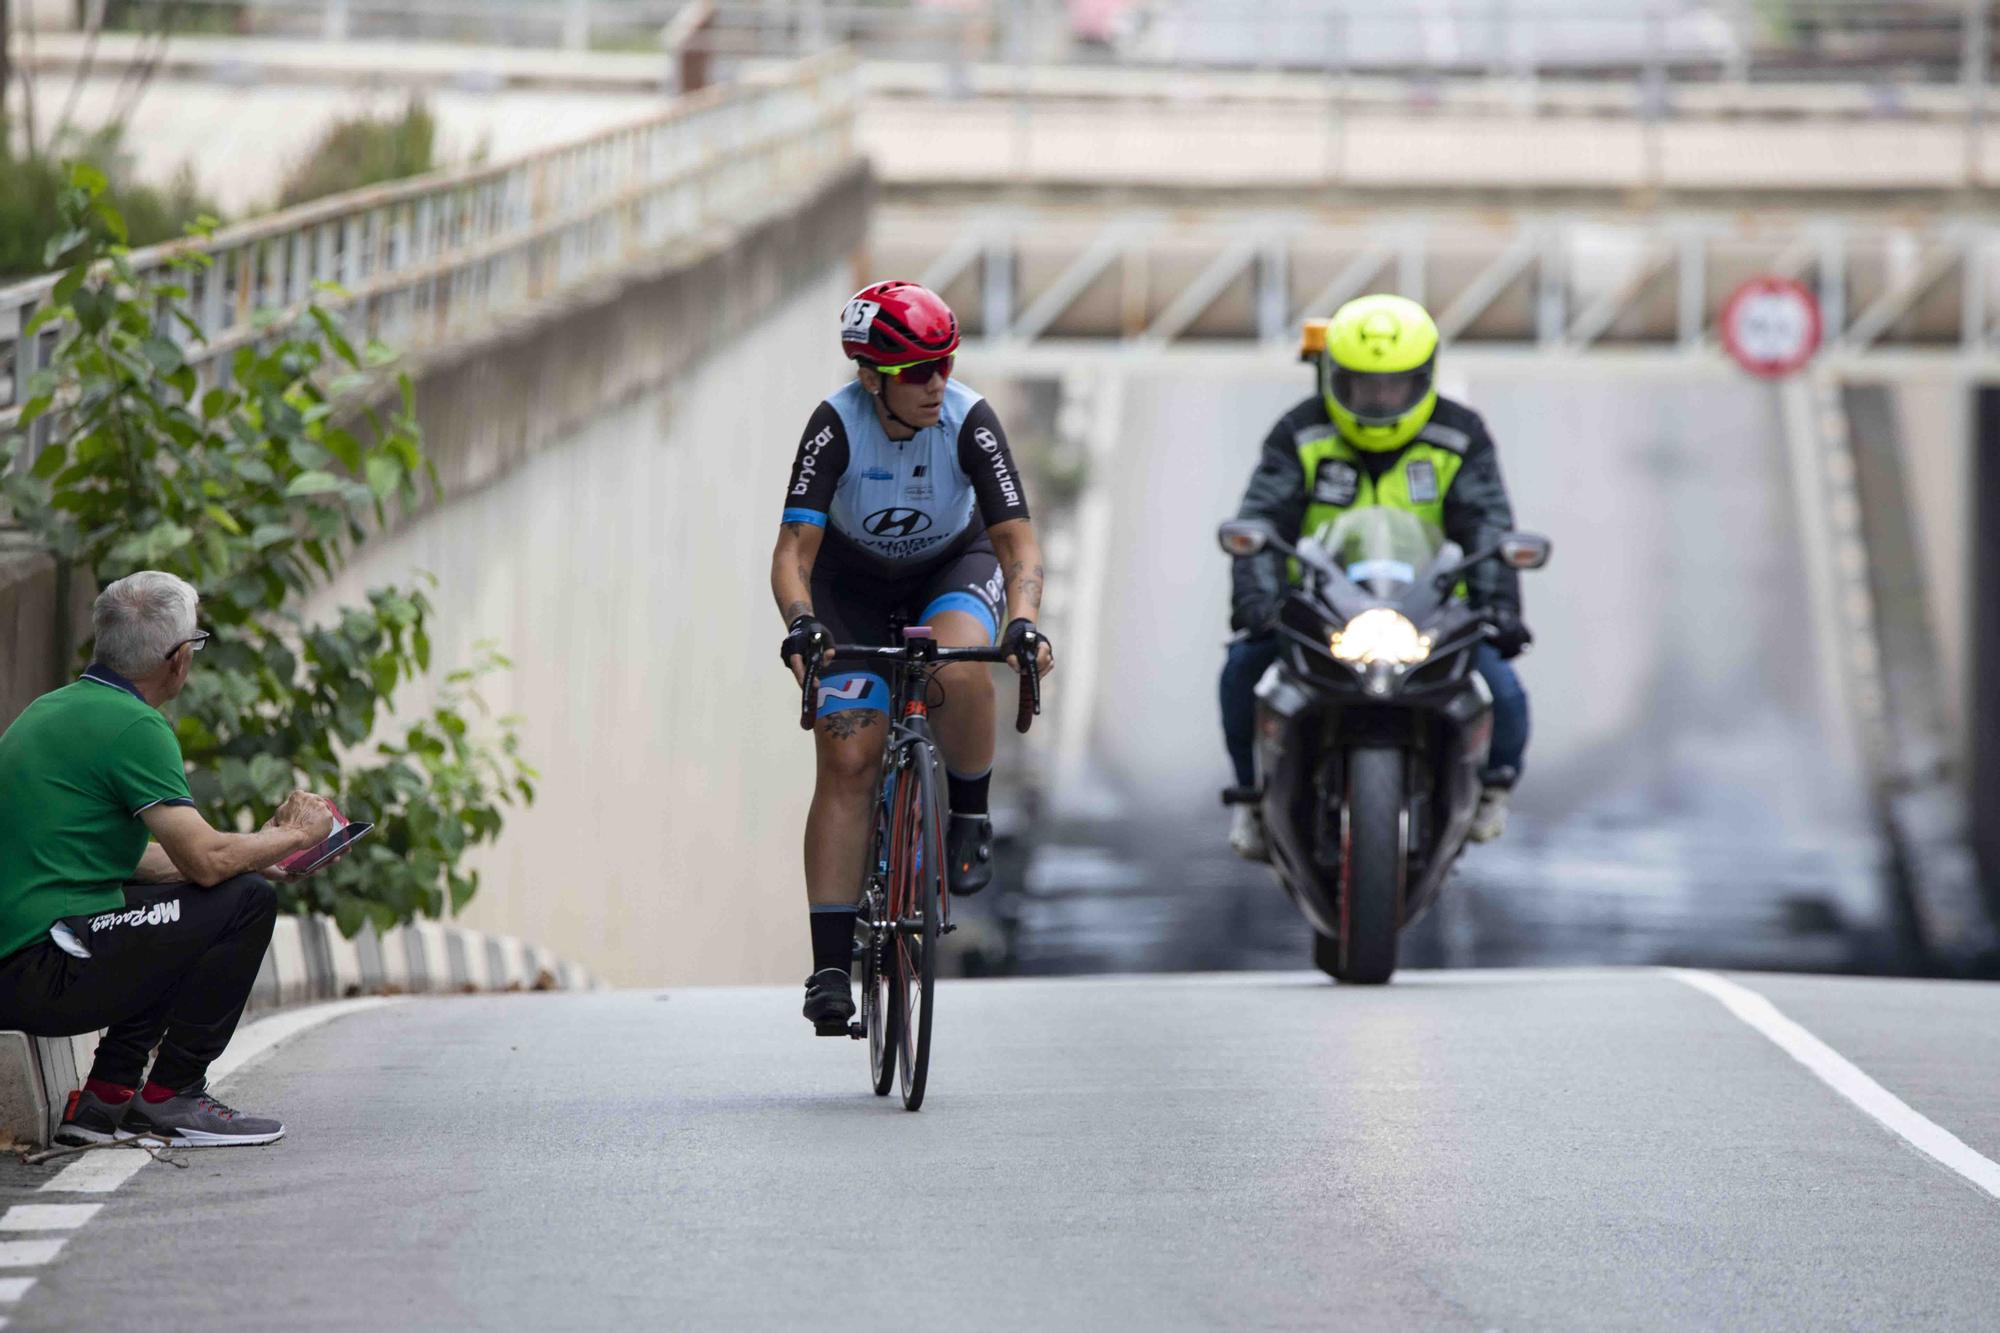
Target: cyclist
(1378, 433)
(904, 503)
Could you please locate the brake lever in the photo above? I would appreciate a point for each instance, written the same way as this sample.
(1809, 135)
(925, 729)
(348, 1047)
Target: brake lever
(809, 695)
(1031, 682)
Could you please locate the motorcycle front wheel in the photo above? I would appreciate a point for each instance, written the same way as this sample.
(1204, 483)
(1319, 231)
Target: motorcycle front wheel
(1371, 900)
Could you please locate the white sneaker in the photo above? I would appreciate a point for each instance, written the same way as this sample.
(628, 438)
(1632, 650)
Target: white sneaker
(1246, 834)
(1490, 820)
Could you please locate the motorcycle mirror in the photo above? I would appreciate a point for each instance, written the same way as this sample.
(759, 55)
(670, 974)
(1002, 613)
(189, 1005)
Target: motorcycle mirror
(1246, 536)
(1524, 550)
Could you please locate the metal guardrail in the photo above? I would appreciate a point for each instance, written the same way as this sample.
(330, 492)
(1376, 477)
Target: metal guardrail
(431, 260)
(1883, 41)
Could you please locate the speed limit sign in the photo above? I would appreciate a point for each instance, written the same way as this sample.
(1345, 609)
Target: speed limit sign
(1771, 326)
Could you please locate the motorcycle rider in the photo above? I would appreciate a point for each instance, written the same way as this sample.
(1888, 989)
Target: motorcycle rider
(1377, 433)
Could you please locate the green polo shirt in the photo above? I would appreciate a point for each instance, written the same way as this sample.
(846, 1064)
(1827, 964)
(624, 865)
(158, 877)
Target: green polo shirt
(76, 768)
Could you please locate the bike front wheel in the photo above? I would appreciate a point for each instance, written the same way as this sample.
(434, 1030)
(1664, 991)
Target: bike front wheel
(916, 900)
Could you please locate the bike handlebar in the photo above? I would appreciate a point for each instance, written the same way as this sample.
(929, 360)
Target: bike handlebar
(927, 652)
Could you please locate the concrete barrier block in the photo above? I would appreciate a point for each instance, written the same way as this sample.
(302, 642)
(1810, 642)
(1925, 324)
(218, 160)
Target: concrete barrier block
(24, 1105)
(515, 957)
(344, 963)
(313, 933)
(428, 959)
(496, 962)
(458, 958)
(265, 993)
(374, 959)
(395, 955)
(287, 956)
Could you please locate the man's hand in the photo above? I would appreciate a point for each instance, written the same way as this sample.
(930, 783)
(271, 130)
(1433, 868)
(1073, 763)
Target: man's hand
(1014, 639)
(310, 816)
(807, 636)
(1510, 636)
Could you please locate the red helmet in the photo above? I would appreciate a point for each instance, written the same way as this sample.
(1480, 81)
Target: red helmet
(890, 323)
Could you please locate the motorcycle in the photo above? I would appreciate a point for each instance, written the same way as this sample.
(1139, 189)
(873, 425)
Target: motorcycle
(1372, 725)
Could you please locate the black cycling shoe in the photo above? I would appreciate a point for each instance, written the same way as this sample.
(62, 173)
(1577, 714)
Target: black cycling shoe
(829, 1001)
(969, 849)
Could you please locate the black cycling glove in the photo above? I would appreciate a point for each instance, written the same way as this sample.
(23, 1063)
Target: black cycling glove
(1510, 635)
(807, 641)
(1014, 639)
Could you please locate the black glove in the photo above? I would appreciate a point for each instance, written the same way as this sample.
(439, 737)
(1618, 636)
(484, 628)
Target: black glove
(1509, 635)
(1256, 614)
(1014, 639)
(808, 640)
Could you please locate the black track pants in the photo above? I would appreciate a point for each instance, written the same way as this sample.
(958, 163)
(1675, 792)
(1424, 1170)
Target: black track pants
(173, 970)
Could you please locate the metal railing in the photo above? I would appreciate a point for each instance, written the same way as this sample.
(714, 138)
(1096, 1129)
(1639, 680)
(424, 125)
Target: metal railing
(1877, 41)
(429, 261)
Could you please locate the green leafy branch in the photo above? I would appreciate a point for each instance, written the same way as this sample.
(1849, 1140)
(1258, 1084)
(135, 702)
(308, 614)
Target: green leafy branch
(258, 488)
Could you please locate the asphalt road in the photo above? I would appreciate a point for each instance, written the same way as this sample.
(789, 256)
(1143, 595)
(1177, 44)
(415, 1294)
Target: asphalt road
(1521, 1150)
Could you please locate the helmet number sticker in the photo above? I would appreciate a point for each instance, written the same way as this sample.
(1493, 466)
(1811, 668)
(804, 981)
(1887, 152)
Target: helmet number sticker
(856, 320)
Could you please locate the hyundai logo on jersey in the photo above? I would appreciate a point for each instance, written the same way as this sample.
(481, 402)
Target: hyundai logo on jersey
(896, 522)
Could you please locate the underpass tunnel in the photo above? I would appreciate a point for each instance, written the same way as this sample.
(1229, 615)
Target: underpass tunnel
(1701, 786)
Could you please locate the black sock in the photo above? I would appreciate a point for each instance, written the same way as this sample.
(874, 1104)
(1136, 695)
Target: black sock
(968, 795)
(832, 937)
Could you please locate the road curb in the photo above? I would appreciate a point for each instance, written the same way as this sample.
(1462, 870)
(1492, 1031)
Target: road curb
(308, 961)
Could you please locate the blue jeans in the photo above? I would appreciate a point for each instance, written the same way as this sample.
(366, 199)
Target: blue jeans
(1250, 658)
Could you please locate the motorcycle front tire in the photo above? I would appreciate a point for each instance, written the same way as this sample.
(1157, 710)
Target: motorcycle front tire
(1371, 908)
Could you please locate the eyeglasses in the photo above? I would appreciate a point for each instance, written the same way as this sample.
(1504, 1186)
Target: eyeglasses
(919, 372)
(201, 637)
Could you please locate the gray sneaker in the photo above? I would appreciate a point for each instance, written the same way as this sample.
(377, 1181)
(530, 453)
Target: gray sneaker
(89, 1119)
(196, 1120)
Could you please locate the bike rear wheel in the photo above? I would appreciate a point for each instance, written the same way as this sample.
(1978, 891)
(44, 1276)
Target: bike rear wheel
(880, 1002)
(916, 899)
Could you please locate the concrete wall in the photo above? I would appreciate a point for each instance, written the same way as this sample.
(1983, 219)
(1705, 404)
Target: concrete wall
(615, 477)
(44, 616)
(1679, 723)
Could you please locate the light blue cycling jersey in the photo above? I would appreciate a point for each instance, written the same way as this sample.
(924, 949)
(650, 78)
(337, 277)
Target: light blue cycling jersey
(899, 506)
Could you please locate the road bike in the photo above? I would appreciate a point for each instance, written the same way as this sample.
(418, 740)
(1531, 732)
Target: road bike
(905, 903)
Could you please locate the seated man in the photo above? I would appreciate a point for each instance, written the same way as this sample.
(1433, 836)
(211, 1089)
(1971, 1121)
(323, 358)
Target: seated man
(157, 942)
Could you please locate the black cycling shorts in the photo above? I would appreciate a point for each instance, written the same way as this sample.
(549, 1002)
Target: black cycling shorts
(858, 608)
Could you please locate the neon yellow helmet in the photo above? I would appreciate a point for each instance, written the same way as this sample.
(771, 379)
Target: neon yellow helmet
(1377, 369)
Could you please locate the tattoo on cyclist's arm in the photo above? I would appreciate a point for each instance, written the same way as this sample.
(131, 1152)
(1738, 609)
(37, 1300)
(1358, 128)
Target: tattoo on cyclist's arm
(793, 529)
(1027, 580)
(851, 722)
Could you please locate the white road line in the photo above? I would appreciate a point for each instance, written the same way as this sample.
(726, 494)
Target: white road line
(102, 1171)
(97, 1172)
(13, 1289)
(47, 1216)
(1834, 1070)
(28, 1253)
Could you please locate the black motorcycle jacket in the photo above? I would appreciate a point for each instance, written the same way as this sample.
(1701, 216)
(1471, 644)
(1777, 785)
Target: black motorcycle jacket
(1305, 466)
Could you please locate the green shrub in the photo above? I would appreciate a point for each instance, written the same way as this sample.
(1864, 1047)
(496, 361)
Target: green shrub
(30, 188)
(257, 491)
(364, 150)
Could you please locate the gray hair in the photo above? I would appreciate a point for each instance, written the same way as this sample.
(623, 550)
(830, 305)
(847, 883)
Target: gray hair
(140, 618)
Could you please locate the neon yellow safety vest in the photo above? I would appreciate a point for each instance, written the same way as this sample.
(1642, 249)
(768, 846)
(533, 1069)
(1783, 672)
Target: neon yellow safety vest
(1337, 478)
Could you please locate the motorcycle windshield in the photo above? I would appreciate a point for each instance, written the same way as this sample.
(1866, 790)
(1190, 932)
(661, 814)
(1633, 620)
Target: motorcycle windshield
(1381, 549)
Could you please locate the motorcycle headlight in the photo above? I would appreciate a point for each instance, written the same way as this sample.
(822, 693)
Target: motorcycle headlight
(1380, 635)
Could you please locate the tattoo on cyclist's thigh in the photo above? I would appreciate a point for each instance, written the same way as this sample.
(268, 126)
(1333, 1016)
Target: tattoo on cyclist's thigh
(848, 722)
